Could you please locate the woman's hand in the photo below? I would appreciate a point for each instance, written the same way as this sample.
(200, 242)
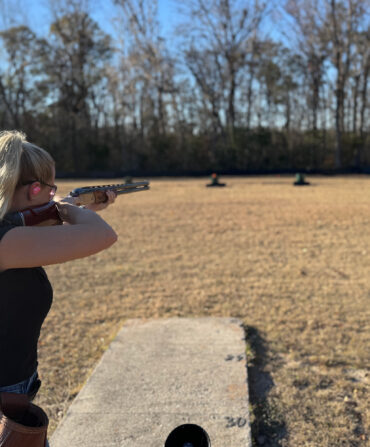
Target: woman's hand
(101, 206)
(91, 206)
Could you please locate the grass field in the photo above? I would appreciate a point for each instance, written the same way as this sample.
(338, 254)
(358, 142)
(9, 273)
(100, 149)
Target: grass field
(293, 263)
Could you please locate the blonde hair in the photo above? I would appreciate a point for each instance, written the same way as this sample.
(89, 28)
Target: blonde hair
(20, 162)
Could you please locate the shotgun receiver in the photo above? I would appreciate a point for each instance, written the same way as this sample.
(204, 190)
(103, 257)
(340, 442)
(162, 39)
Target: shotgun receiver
(96, 194)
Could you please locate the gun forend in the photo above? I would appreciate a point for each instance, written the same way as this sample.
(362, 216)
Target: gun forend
(96, 194)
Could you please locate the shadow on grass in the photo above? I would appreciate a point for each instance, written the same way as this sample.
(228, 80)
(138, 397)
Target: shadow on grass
(267, 423)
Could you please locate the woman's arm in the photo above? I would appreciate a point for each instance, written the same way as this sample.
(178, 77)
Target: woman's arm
(87, 234)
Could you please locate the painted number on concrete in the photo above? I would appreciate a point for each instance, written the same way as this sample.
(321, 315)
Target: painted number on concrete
(235, 422)
(236, 358)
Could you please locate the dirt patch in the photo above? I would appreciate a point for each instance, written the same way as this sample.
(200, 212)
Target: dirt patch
(292, 263)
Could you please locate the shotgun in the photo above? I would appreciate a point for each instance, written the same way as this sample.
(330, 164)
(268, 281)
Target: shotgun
(48, 214)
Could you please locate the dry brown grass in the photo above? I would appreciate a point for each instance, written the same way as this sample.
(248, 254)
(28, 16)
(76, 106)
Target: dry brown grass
(292, 262)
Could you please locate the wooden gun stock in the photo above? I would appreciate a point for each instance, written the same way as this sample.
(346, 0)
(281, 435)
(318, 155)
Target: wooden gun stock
(44, 215)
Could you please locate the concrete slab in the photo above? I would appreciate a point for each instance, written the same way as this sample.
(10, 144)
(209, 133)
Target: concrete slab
(157, 375)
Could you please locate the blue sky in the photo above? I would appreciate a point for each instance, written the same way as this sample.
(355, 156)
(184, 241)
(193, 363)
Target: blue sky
(36, 14)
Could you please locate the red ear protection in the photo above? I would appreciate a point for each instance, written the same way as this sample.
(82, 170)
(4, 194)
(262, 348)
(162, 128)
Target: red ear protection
(36, 190)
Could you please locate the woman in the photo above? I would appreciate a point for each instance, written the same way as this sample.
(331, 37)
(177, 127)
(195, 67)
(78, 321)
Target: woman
(27, 176)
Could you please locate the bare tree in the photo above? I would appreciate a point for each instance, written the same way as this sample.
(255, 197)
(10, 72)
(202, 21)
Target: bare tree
(152, 66)
(343, 20)
(224, 29)
(361, 76)
(252, 63)
(74, 61)
(205, 68)
(308, 26)
(17, 83)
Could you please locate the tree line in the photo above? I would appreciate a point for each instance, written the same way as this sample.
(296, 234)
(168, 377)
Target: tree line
(240, 87)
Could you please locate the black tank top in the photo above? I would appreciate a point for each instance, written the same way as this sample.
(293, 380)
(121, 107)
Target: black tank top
(25, 300)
